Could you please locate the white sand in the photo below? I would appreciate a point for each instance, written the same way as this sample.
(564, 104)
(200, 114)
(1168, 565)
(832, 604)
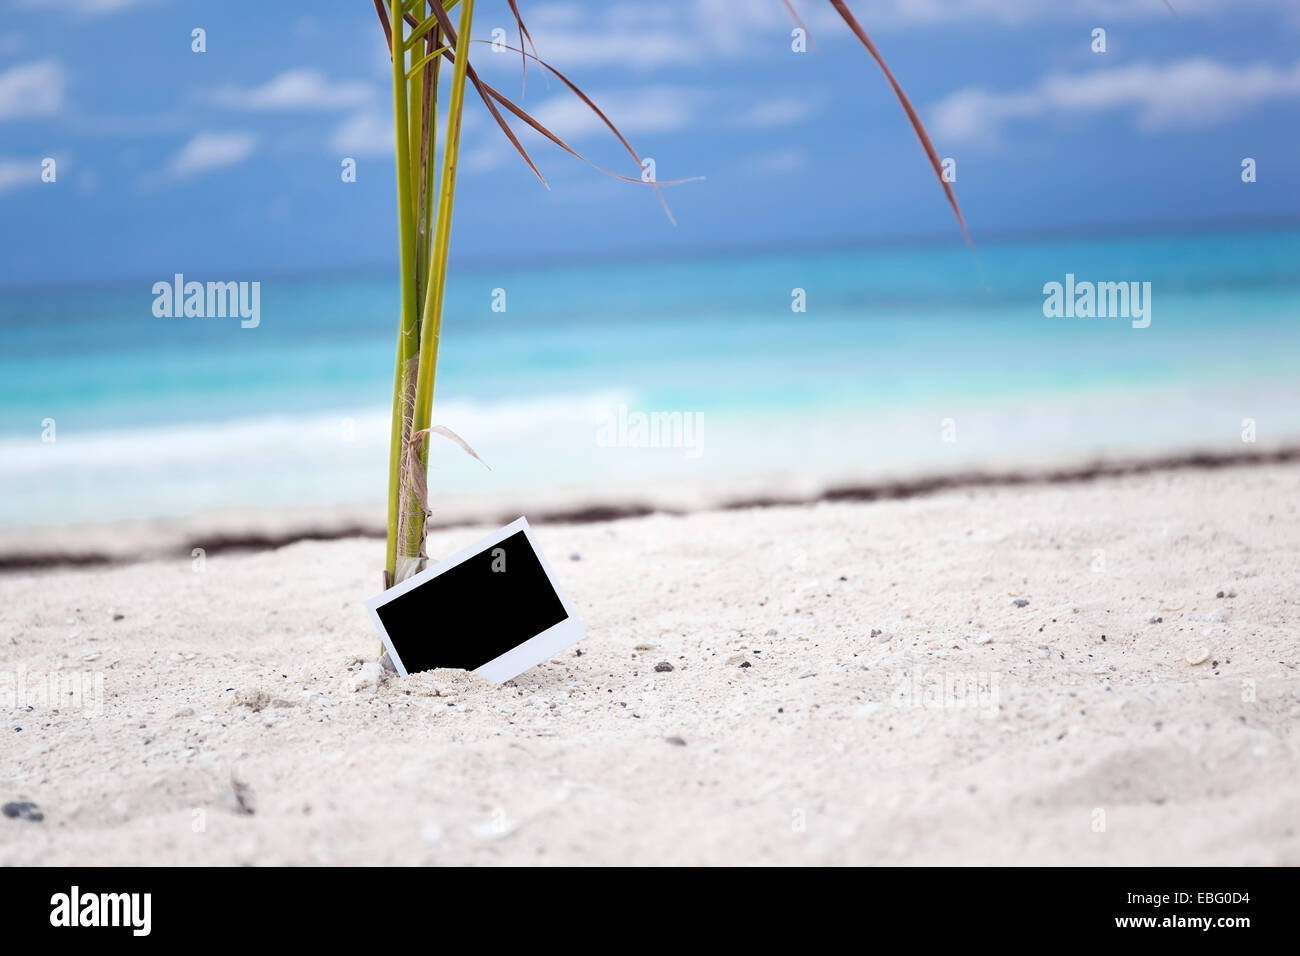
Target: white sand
(810, 755)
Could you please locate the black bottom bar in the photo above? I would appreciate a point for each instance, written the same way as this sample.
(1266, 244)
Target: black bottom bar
(1220, 907)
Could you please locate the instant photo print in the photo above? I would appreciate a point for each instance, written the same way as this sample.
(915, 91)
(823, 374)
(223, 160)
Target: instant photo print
(493, 608)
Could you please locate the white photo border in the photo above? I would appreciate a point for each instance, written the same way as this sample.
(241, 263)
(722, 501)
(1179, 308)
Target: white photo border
(522, 657)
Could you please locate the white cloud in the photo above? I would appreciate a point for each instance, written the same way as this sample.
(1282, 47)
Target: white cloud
(208, 151)
(88, 7)
(649, 109)
(920, 13)
(647, 36)
(778, 161)
(664, 108)
(369, 133)
(630, 35)
(302, 89)
(779, 111)
(1190, 92)
(31, 89)
(16, 173)
(629, 48)
(642, 36)
(486, 158)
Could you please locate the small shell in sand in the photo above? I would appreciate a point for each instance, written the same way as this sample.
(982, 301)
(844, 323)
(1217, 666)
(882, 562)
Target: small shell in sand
(1199, 656)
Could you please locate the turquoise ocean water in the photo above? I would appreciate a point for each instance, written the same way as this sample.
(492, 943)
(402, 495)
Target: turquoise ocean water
(905, 361)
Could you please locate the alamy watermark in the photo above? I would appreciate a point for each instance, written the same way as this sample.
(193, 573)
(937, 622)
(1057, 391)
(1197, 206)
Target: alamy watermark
(58, 690)
(973, 692)
(1102, 300)
(212, 300)
(127, 910)
(620, 428)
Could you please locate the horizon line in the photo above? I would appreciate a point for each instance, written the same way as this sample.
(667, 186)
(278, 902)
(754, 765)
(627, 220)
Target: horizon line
(480, 264)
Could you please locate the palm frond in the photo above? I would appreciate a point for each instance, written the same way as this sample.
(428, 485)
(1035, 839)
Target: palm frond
(523, 115)
(445, 25)
(487, 93)
(590, 104)
(842, 8)
(523, 60)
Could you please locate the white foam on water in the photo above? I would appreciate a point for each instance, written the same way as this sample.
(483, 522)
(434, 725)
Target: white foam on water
(536, 447)
(326, 458)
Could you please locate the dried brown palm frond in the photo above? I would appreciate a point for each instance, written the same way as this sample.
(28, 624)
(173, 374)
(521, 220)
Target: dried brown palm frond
(842, 8)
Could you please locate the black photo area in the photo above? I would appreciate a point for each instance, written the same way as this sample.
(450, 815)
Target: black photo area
(472, 614)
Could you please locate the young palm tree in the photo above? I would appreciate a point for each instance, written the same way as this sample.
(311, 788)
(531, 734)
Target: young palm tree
(421, 36)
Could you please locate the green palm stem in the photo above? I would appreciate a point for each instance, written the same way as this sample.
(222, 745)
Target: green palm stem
(431, 322)
(423, 90)
(407, 341)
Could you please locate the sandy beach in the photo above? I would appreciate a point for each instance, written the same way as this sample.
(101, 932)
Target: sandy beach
(851, 683)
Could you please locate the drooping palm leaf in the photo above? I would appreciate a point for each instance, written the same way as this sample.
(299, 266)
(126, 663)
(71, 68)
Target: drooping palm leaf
(842, 8)
(523, 60)
(488, 93)
(525, 117)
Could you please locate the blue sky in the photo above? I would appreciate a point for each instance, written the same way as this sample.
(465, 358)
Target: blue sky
(228, 162)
